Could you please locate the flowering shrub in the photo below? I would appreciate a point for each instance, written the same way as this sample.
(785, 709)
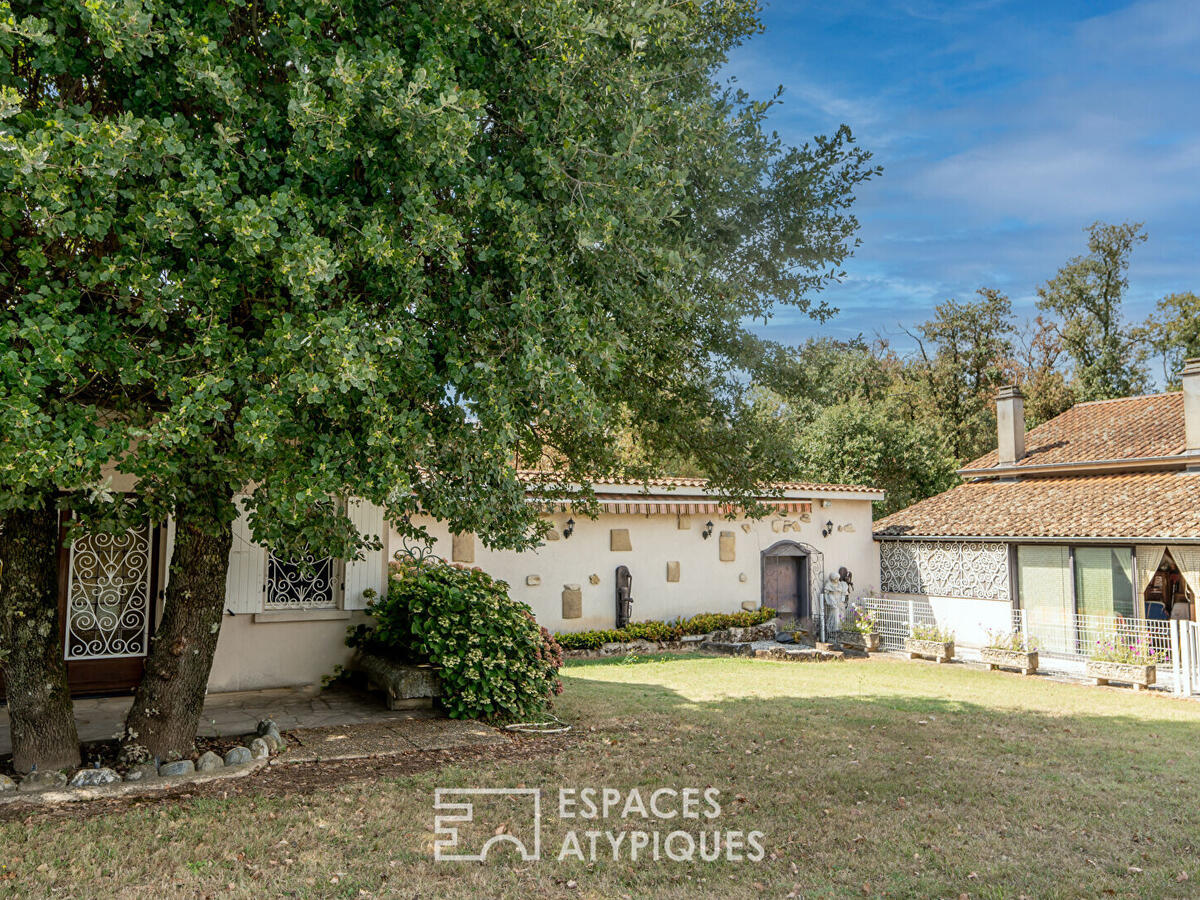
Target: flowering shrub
(1113, 647)
(860, 620)
(704, 623)
(1010, 640)
(931, 633)
(495, 661)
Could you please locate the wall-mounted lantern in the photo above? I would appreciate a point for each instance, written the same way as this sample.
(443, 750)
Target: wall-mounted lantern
(569, 529)
(707, 532)
(827, 530)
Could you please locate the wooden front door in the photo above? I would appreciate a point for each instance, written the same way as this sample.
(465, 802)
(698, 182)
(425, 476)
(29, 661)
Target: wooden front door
(108, 593)
(784, 586)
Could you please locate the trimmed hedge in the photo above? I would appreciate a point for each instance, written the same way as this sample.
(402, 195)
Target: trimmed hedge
(662, 631)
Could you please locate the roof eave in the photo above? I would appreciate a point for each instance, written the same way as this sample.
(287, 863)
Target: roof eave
(1036, 539)
(1174, 461)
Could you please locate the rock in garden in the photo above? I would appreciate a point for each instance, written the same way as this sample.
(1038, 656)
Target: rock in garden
(142, 772)
(179, 767)
(7, 784)
(238, 756)
(209, 762)
(94, 777)
(259, 748)
(268, 727)
(41, 781)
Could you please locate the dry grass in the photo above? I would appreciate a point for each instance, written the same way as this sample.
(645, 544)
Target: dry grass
(867, 778)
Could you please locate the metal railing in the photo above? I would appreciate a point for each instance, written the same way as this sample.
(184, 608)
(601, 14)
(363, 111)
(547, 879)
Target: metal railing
(897, 617)
(1076, 637)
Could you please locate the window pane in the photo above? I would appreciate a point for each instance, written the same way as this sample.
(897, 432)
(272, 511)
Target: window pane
(1043, 579)
(1104, 581)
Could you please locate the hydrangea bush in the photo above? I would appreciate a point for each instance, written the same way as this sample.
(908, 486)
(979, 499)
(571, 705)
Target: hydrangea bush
(495, 661)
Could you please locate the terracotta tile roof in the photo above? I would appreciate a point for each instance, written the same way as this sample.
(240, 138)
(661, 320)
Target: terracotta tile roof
(1129, 428)
(532, 475)
(1135, 505)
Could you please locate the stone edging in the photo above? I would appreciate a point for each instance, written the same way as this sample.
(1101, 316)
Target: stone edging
(148, 777)
(130, 788)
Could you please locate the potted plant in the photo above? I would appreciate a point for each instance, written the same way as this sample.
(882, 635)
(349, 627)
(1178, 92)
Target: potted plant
(929, 641)
(860, 629)
(1010, 650)
(1123, 658)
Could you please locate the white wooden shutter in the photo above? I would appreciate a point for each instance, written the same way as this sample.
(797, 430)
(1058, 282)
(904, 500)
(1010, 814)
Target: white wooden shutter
(365, 573)
(247, 569)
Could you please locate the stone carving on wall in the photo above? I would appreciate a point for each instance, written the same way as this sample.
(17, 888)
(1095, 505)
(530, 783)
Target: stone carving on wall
(974, 569)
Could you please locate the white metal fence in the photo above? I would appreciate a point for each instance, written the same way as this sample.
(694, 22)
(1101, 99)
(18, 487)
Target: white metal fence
(897, 617)
(1076, 637)
(1064, 643)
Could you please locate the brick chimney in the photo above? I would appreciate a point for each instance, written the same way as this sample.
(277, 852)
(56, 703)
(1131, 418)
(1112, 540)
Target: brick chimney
(1010, 421)
(1190, 376)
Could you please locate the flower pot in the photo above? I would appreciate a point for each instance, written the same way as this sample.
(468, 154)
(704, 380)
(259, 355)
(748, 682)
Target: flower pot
(1140, 675)
(857, 640)
(997, 657)
(939, 651)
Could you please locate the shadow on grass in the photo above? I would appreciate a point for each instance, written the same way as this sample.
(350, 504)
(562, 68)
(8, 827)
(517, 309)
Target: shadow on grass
(928, 795)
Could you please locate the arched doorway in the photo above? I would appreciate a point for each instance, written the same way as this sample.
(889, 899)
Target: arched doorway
(791, 576)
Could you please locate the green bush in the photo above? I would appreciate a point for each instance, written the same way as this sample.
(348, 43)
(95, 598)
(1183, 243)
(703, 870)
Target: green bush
(495, 662)
(662, 631)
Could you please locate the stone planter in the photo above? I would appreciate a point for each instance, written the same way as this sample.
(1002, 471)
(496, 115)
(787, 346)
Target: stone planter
(748, 635)
(856, 640)
(996, 658)
(937, 650)
(407, 686)
(1140, 676)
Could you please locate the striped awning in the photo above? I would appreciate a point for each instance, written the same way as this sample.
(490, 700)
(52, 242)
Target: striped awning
(651, 505)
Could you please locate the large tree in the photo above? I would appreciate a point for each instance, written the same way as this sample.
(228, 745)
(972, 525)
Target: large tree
(390, 249)
(962, 354)
(1086, 297)
(1173, 333)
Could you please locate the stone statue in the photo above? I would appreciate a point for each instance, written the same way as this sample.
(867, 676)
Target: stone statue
(837, 597)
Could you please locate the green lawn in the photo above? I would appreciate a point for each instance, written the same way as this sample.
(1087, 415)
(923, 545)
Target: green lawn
(880, 778)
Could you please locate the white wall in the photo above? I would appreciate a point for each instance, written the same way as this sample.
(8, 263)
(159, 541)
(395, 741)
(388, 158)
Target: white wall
(705, 583)
(967, 617)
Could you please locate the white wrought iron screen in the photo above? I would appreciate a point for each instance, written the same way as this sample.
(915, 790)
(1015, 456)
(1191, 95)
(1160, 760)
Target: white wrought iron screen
(108, 596)
(307, 583)
(975, 569)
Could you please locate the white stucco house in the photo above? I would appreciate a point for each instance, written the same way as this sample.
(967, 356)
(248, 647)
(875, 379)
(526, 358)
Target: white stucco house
(684, 553)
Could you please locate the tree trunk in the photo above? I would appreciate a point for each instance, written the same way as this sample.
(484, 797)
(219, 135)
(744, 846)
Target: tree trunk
(166, 707)
(40, 714)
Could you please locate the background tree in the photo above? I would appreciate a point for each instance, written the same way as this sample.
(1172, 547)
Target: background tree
(1085, 297)
(962, 352)
(389, 249)
(1173, 333)
(1036, 366)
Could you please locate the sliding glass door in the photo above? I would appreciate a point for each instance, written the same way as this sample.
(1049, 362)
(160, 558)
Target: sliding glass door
(1044, 583)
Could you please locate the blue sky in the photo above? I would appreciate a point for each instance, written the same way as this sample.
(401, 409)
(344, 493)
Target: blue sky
(1004, 128)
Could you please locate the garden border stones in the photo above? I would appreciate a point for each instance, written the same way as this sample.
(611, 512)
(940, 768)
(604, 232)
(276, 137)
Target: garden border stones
(103, 783)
